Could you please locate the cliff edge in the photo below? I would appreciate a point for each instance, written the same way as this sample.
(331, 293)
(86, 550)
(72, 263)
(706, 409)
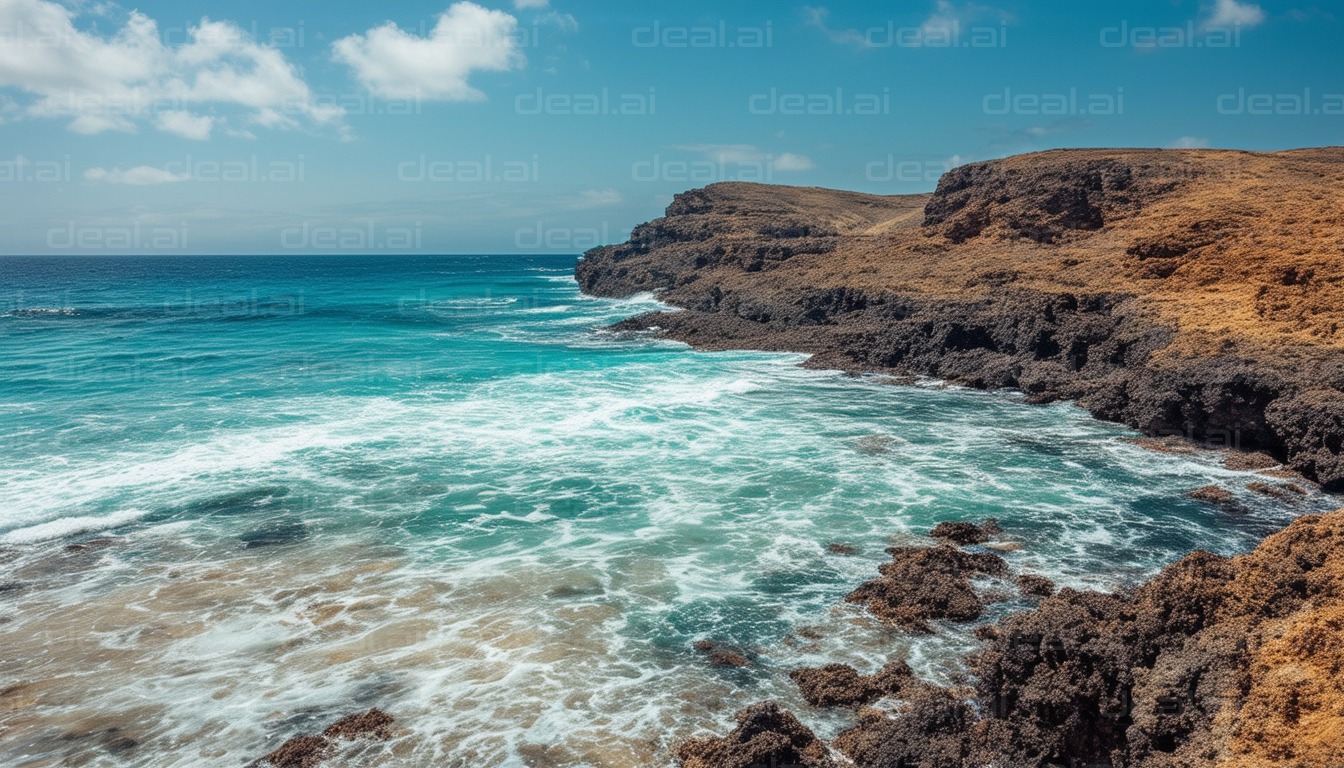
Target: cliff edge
(1190, 292)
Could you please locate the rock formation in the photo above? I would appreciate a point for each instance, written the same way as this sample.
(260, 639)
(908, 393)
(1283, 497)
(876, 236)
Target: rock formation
(1214, 663)
(1190, 292)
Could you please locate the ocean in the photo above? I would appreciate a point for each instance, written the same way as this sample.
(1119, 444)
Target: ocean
(243, 496)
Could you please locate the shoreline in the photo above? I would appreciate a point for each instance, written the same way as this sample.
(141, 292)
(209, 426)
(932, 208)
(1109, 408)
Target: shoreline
(1108, 299)
(1192, 667)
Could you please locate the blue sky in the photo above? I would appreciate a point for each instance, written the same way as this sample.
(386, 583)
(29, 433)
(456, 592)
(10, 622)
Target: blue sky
(205, 126)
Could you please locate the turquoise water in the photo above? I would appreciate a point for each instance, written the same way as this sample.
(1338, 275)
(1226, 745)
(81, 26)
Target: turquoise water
(438, 486)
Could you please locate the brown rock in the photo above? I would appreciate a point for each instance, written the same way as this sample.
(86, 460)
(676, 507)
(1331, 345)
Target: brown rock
(765, 736)
(1212, 494)
(375, 724)
(929, 731)
(1244, 462)
(842, 685)
(841, 549)
(1037, 586)
(721, 657)
(300, 752)
(959, 532)
(926, 583)
(1285, 491)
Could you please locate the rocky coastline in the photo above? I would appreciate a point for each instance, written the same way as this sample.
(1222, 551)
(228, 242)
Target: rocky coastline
(1195, 295)
(1190, 293)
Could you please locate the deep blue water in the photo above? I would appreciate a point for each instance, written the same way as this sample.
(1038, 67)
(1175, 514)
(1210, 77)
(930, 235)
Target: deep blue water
(437, 485)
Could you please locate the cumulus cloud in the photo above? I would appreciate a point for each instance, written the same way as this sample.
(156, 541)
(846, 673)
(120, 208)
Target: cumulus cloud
(748, 153)
(139, 176)
(1189, 142)
(1230, 13)
(185, 124)
(396, 64)
(112, 82)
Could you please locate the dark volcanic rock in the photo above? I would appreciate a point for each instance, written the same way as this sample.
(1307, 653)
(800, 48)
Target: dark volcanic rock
(721, 655)
(765, 736)
(930, 731)
(842, 685)
(927, 583)
(1215, 662)
(959, 533)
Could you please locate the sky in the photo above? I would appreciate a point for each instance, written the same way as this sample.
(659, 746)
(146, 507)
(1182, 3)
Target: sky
(551, 126)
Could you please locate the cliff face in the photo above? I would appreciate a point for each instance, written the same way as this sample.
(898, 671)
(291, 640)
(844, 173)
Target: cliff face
(1193, 292)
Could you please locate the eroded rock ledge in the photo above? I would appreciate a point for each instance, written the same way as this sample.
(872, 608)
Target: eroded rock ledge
(1192, 292)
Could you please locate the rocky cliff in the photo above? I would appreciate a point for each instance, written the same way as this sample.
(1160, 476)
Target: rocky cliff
(1190, 292)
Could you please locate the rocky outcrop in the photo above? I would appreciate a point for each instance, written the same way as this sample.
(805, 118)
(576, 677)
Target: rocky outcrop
(1190, 292)
(1214, 663)
(307, 751)
(841, 685)
(765, 735)
(922, 584)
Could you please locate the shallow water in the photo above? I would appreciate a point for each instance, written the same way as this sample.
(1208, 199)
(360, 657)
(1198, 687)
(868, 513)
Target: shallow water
(437, 486)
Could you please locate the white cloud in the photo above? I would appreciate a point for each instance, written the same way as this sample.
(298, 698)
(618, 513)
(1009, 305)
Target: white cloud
(791, 162)
(185, 124)
(816, 17)
(946, 14)
(521, 4)
(1230, 13)
(748, 153)
(398, 65)
(139, 176)
(592, 198)
(110, 82)
(941, 19)
(1189, 142)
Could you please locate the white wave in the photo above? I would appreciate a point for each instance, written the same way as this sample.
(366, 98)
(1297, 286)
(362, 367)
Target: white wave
(69, 526)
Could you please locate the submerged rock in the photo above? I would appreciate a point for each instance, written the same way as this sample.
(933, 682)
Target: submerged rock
(278, 533)
(374, 724)
(924, 584)
(308, 751)
(1286, 491)
(765, 736)
(841, 549)
(300, 752)
(842, 685)
(721, 655)
(1212, 494)
(1242, 462)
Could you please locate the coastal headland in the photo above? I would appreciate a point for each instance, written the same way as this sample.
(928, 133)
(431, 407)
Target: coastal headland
(1189, 293)
(1195, 295)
